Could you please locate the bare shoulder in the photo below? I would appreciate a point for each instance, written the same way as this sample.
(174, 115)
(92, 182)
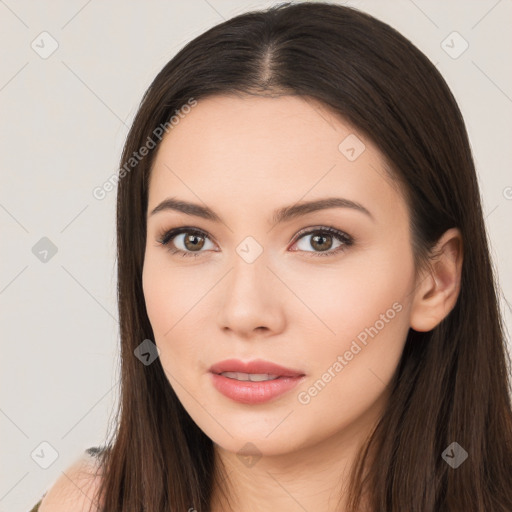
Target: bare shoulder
(76, 488)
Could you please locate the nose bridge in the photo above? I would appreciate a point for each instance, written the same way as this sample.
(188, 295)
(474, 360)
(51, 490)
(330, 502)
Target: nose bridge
(249, 265)
(251, 250)
(250, 300)
(256, 263)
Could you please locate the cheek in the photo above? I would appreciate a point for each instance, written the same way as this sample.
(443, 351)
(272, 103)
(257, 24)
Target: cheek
(158, 294)
(169, 292)
(365, 303)
(352, 295)
(174, 296)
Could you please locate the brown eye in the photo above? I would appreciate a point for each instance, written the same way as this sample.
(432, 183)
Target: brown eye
(193, 242)
(185, 241)
(323, 241)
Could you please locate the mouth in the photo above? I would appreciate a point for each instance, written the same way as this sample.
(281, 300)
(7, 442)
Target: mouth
(253, 382)
(253, 377)
(256, 367)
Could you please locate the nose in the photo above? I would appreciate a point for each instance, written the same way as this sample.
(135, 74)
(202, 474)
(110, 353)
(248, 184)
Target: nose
(252, 300)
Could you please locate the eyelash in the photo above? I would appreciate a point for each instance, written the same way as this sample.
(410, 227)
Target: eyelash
(346, 240)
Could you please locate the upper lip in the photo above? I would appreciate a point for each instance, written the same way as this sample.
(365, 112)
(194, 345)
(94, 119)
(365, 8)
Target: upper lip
(258, 366)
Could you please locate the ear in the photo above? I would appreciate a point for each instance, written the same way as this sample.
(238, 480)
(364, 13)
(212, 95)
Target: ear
(437, 289)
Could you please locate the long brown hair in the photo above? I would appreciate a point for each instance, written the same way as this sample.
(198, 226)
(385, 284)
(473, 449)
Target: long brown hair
(452, 384)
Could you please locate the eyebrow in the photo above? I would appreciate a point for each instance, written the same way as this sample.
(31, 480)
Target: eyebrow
(280, 215)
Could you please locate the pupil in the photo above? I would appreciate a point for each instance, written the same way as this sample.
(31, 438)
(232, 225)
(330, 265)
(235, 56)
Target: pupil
(192, 239)
(319, 237)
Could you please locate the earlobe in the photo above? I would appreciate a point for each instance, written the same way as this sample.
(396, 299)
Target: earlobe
(438, 288)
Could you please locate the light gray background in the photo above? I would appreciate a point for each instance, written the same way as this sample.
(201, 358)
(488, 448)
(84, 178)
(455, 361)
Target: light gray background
(63, 123)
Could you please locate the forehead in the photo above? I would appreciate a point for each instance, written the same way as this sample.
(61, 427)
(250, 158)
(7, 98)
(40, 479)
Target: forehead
(251, 150)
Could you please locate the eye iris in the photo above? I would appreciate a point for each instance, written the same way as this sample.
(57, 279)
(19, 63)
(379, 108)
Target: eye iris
(321, 246)
(192, 238)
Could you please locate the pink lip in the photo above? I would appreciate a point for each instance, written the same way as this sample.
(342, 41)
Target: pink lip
(256, 366)
(249, 392)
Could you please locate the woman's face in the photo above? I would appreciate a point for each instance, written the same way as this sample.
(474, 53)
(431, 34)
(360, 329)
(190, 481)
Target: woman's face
(258, 279)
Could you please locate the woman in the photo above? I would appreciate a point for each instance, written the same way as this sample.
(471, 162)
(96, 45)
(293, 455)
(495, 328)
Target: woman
(308, 312)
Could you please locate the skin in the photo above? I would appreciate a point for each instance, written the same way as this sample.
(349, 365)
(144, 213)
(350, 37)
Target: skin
(243, 157)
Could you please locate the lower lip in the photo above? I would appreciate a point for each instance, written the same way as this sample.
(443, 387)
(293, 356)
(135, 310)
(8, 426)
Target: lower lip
(248, 392)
